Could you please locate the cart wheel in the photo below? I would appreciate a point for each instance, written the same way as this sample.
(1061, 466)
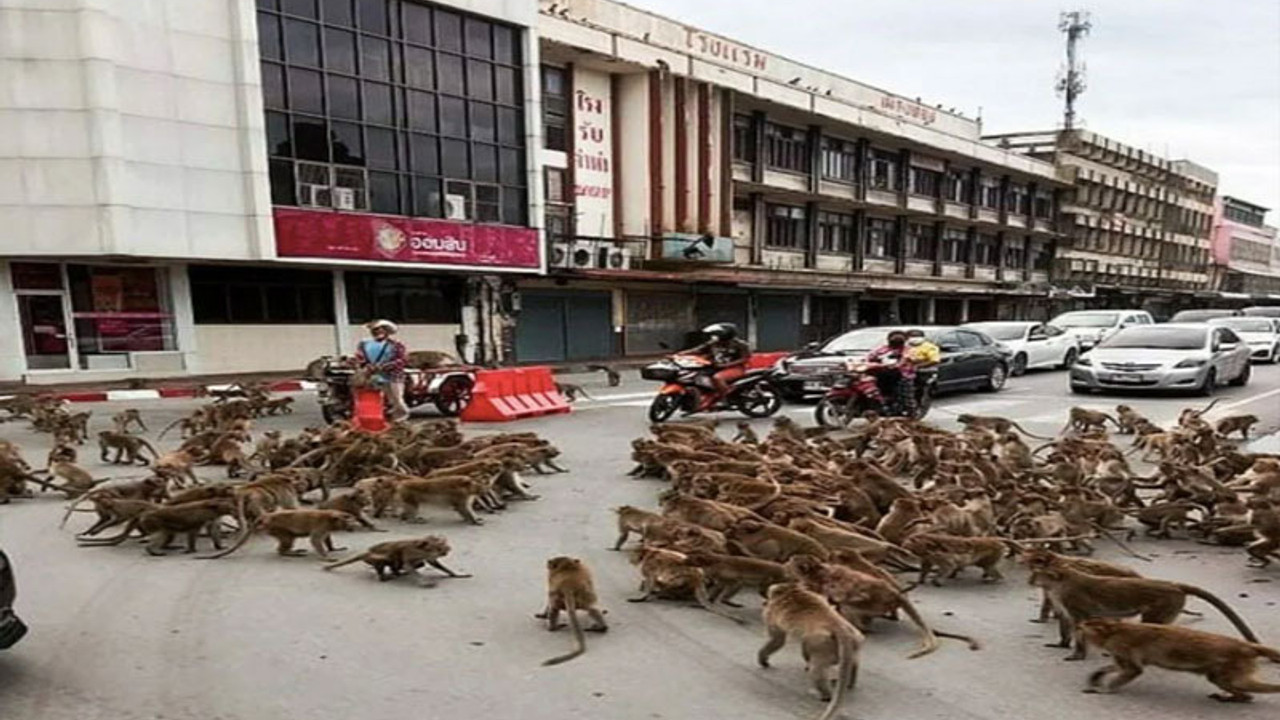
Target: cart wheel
(454, 396)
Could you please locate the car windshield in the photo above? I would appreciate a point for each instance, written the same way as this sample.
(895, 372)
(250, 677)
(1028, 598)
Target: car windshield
(1200, 315)
(1244, 324)
(860, 340)
(1086, 319)
(1157, 338)
(1001, 331)
(1263, 311)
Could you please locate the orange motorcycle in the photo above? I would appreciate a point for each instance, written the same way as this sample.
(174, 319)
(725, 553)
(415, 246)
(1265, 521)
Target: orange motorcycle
(687, 388)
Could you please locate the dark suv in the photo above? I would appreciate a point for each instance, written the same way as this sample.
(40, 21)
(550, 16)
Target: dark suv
(11, 628)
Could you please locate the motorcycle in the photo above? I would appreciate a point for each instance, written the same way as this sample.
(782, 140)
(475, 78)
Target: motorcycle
(687, 387)
(448, 388)
(859, 391)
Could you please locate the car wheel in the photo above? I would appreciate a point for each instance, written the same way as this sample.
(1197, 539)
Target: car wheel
(1210, 383)
(996, 377)
(1019, 366)
(1070, 358)
(1243, 378)
(1078, 390)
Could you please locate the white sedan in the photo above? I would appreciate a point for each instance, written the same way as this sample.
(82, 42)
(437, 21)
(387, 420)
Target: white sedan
(1033, 344)
(1261, 334)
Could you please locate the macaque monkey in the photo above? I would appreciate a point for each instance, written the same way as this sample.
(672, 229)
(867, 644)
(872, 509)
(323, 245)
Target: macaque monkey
(746, 434)
(353, 503)
(949, 554)
(113, 512)
(1083, 420)
(998, 425)
(767, 541)
(570, 589)
(1128, 420)
(177, 466)
(572, 391)
(287, 526)
(152, 488)
(62, 453)
(1236, 423)
(165, 521)
(394, 558)
(457, 491)
(664, 573)
(614, 377)
(634, 520)
(128, 448)
(1229, 663)
(727, 575)
(126, 418)
(381, 491)
(827, 640)
(1033, 556)
(1265, 521)
(278, 406)
(76, 481)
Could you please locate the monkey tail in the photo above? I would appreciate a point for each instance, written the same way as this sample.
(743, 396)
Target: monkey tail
(1222, 607)
(777, 493)
(848, 654)
(580, 640)
(1024, 432)
(143, 442)
(928, 638)
(1115, 422)
(973, 643)
(73, 507)
(169, 427)
(1269, 653)
(113, 540)
(348, 561)
(246, 529)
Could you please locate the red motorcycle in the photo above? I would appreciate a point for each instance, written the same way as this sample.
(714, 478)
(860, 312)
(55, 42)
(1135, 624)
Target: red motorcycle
(687, 387)
(864, 389)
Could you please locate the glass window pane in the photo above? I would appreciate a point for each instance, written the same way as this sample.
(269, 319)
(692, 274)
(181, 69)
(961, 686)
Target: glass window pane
(417, 23)
(513, 206)
(510, 166)
(504, 45)
(509, 126)
(278, 134)
(348, 145)
(306, 8)
(449, 74)
(340, 50)
(269, 4)
(375, 58)
(273, 95)
(505, 84)
(479, 80)
(424, 154)
(305, 92)
(381, 150)
(422, 111)
(344, 97)
(310, 139)
(338, 12)
(426, 197)
(377, 103)
(282, 303)
(488, 208)
(373, 16)
(384, 193)
(479, 42)
(453, 117)
(448, 31)
(270, 44)
(419, 67)
(302, 42)
(482, 122)
(283, 191)
(246, 303)
(453, 159)
(484, 159)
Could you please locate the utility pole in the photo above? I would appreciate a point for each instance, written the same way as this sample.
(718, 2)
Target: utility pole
(1076, 25)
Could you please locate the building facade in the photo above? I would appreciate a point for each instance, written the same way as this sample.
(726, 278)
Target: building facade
(218, 186)
(1135, 226)
(1246, 253)
(690, 178)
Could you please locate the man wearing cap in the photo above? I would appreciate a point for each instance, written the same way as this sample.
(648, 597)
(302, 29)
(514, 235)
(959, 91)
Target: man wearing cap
(385, 357)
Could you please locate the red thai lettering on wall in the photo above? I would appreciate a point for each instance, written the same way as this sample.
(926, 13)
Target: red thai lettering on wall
(720, 49)
(906, 108)
(591, 153)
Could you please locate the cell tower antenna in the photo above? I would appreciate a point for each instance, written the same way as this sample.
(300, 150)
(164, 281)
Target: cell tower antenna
(1075, 24)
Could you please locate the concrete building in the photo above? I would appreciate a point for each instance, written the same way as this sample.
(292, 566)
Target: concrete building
(1246, 253)
(213, 186)
(691, 178)
(1135, 226)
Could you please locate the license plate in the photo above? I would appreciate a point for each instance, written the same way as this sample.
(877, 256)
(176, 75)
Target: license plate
(1127, 379)
(815, 385)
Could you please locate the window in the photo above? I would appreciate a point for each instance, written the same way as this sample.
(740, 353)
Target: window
(1017, 201)
(222, 295)
(555, 108)
(1015, 254)
(373, 106)
(836, 232)
(786, 148)
(880, 240)
(117, 310)
(785, 227)
(925, 182)
(954, 241)
(559, 216)
(884, 170)
(984, 251)
(959, 189)
(744, 139)
(839, 160)
(416, 299)
(922, 241)
(1041, 259)
(1043, 205)
(989, 197)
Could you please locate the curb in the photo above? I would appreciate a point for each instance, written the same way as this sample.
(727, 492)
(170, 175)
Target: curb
(167, 393)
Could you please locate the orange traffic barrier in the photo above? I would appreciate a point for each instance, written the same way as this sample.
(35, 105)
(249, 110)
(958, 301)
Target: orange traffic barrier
(369, 414)
(760, 361)
(514, 394)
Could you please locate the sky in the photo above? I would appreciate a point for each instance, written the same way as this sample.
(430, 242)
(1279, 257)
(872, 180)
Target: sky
(1196, 79)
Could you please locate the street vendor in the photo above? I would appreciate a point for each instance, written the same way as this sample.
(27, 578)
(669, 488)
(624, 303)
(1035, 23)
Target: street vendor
(384, 356)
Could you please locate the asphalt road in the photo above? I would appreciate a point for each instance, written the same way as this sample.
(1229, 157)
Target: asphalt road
(118, 635)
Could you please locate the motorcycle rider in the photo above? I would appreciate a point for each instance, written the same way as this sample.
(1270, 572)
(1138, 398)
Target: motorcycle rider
(386, 357)
(727, 353)
(903, 383)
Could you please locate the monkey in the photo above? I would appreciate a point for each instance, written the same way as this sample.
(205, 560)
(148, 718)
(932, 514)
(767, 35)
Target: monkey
(177, 466)
(202, 492)
(278, 406)
(354, 504)
(394, 558)
(1128, 420)
(286, 526)
(127, 447)
(162, 523)
(1229, 663)
(727, 575)
(76, 481)
(1236, 423)
(1083, 420)
(615, 378)
(152, 488)
(767, 541)
(61, 453)
(1265, 521)
(1161, 518)
(114, 511)
(429, 359)
(665, 572)
(832, 537)
(125, 418)
(458, 491)
(572, 391)
(1190, 417)
(949, 554)
(634, 520)
(1033, 556)
(998, 425)
(1078, 596)
(570, 589)
(707, 513)
(746, 434)
(903, 513)
(827, 640)
(381, 491)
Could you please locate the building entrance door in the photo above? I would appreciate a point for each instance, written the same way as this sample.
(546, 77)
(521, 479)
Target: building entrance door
(45, 340)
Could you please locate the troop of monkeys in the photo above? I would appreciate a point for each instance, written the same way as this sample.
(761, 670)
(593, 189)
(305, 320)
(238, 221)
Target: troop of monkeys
(815, 522)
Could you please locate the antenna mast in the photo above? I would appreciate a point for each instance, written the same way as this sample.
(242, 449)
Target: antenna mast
(1076, 25)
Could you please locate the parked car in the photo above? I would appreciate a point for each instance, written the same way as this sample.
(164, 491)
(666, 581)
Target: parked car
(1272, 311)
(1033, 344)
(970, 359)
(1187, 356)
(1195, 316)
(1091, 327)
(11, 628)
(1261, 334)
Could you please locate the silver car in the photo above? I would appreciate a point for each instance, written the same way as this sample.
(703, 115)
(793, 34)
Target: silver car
(1172, 356)
(1261, 334)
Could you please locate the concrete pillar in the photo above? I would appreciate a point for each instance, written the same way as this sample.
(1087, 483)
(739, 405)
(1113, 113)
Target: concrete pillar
(13, 360)
(964, 310)
(184, 319)
(930, 310)
(341, 317)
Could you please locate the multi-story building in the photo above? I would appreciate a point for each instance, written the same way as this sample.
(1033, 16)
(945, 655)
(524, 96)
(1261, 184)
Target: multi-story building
(1246, 252)
(215, 186)
(692, 178)
(1135, 226)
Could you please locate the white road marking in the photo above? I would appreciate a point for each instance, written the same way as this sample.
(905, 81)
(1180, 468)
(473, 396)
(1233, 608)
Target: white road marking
(1242, 403)
(623, 396)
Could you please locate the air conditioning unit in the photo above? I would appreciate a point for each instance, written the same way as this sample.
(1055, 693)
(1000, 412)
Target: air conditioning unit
(314, 195)
(617, 258)
(561, 255)
(455, 207)
(584, 254)
(344, 198)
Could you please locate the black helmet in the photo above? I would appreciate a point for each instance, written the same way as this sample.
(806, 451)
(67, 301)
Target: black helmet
(721, 331)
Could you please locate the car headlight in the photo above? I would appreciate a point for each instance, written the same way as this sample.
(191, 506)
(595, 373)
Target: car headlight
(1191, 363)
(1084, 361)
(782, 365)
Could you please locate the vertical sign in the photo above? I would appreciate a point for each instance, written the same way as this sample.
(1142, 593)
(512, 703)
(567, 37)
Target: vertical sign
(593, 155)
